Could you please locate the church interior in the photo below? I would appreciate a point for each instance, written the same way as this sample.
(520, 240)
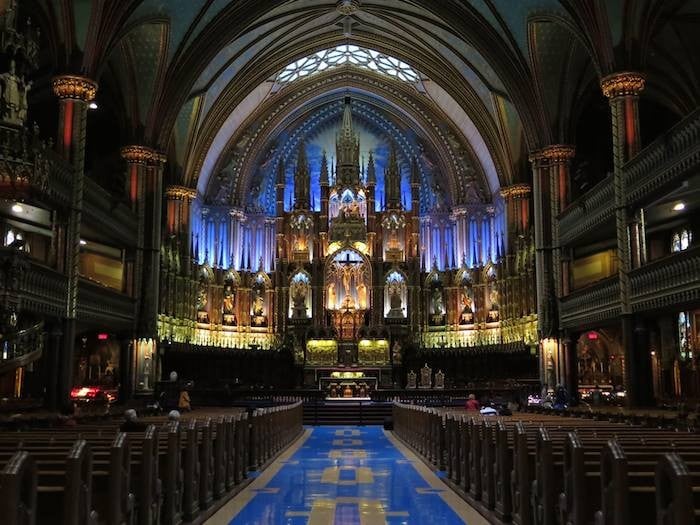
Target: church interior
(349, 261)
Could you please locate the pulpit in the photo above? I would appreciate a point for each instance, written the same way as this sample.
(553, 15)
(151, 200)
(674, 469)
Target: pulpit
(426, 377)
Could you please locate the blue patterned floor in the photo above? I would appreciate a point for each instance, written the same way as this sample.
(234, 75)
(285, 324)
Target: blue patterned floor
(350, 475)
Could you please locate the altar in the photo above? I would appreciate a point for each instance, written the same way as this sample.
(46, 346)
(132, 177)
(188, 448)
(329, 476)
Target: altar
(348, 385)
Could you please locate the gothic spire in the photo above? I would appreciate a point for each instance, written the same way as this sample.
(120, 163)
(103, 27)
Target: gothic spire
(347, 147)
(392, 181)
(302, 185)
(324, 169)
(371, 173)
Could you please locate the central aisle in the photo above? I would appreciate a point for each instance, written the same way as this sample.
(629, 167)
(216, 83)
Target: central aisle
(347, 475)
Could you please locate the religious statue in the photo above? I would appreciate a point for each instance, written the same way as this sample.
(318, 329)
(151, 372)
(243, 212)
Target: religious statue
(12, 94)
(396, 353)
(438, 308)
(202, 300)
(467, 314)
(229, 299)
(395, 301)
(298, 291)
(258, 304)
(229, 305)
(346, 280)
(362, 295)
(426, 376)
(331, 296)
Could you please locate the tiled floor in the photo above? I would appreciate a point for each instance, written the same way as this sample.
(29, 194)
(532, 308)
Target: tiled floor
(347, 475)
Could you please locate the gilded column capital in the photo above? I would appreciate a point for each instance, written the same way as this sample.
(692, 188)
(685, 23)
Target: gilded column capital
(74, 87)
(180, 193)
(622, 84)
(558, 152)
(516, 190)
(137, 154)
(552, 153)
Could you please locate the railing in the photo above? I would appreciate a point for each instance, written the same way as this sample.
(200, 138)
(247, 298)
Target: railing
(588, 212)
(593, 303)
(671, 280)
(22, 347)
(671, 156)
(103, 304)
(32, 286)
(99, 207)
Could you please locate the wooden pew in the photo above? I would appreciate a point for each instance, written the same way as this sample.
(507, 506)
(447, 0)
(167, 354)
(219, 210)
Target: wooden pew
(18, 490)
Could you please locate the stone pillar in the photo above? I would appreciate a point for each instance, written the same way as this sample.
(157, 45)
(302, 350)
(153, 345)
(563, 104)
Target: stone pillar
(546, 320)
(153, 242)
(517, 216)
(559, 159)
(622, 90)
(136, 158)
(74, 94)
(178, 219)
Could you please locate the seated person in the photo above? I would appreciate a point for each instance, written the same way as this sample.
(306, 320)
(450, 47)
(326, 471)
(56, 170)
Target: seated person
(131, 422)
(472, 403)
(183, 403)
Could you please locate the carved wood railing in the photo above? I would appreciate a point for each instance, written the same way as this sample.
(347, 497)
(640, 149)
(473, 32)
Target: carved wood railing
(665, 161)
(99, 207)
(22, 347)
(590, 211)
(103, 304)
(672, 280)
(591, 304)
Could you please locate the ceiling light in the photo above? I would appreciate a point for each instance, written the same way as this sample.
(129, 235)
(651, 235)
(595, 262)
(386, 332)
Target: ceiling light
(92, 105)
(83, 242)
(680, 206)
(17, 207)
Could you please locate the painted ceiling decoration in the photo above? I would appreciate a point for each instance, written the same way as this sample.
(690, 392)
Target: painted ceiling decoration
(196, 75)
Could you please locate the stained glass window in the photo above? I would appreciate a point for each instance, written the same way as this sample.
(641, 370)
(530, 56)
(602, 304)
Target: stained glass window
(348, 54)
(681, 240)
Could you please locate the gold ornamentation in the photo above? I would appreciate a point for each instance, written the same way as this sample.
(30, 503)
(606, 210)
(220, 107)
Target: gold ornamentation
(142, 155)
(516, 190)
(75, 87)
(622, 84)
(137, 154)
(347, 7)
(181, 193)
(555, 153)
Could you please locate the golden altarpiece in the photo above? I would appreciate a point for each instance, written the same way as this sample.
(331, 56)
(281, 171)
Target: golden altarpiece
(350, 283)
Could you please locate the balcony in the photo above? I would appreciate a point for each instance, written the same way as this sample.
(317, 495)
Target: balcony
(670, 281)
(586, 214)
(104, 305)
(99, 207)
(42, 290)
(659, 166)
(665, 161)
(592, 304)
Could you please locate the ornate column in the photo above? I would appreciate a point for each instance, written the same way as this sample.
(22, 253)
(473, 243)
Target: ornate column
(622, 90)
(74, 94)
(137, 157)
(559, 157)
(517, 214)
(543, 246)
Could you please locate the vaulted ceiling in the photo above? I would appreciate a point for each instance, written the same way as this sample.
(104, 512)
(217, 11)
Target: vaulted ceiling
(498, 78)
